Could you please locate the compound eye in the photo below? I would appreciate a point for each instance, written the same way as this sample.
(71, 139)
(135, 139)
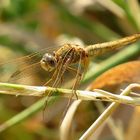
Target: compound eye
(48, 62)
(52, 62)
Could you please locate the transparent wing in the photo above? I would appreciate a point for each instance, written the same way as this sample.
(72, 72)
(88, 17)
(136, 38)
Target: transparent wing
(18, 70)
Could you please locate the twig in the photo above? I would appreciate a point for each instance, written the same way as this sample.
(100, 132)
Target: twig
(106, 114)
(96, 95)
(67, 121)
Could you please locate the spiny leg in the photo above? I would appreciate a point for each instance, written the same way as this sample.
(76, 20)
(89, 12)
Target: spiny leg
(78, 77)
(57, 71)
(72, 70)
(58, 77)
(61, 69)
(54, 77)
(77, 81)
(54, 74)
(64, 66)
(49, 93)
(50, 80)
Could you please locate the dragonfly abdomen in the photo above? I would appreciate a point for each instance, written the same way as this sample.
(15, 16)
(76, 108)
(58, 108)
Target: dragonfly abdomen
(99, 49)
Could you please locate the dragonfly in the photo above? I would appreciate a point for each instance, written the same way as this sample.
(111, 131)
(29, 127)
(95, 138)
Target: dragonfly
(68, 55)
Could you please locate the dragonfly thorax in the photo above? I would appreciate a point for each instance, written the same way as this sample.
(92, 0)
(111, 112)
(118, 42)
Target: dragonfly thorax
(67, 55)
(48, 62)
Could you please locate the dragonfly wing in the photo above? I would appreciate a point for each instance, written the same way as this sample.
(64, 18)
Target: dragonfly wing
(14, 70)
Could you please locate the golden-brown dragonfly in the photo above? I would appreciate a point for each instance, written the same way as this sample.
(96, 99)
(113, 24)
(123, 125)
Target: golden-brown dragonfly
(68, 54)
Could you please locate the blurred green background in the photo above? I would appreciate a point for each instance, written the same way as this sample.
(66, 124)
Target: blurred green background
(28, 26)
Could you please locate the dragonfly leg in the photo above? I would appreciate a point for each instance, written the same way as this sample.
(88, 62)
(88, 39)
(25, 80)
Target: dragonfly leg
(60, 69)
(78, 77)
(77, 80)
(56, 73)
(52, 78)
(76, 83)
(72, 70)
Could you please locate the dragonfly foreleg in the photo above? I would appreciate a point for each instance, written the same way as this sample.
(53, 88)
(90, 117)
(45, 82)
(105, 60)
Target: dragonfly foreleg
(57, 76)
(78, 77)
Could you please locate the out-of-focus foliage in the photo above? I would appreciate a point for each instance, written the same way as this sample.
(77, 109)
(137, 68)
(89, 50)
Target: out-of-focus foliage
(28, 26)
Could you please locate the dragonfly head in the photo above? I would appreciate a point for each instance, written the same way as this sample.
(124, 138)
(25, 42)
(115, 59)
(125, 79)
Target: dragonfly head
(48, 62)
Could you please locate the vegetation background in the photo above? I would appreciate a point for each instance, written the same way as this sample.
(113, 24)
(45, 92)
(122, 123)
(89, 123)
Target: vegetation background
(30, 26)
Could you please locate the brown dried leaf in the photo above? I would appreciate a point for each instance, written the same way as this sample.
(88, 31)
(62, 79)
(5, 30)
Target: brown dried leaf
(118, 76)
